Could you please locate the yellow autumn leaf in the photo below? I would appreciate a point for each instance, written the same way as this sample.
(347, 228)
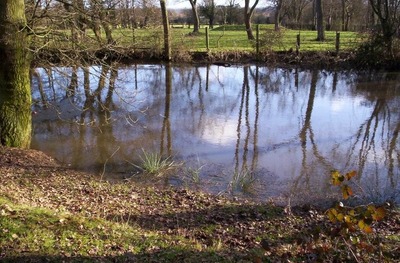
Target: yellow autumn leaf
(364, 227)
(332, 215)
(346, 191)
(379, 214)
(350, 175)
(340, 217)
(336, 178)
(348, 219)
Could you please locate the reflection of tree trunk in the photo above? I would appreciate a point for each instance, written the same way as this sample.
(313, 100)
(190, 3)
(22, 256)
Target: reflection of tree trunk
(255, 138)
(105, 136)
(207, 76)
(239, 126)
(335, 81)
(136, 77)
(88, 106)
(307, 127)
(102, 81)
(368, 140)
(15, 93)
(49, 73)
(86, 82)
(310, 104)
(392, 148)
(74, 82)
(43, 96)
(244, 105)
(166, 127)
(247, 113)
(108, 103)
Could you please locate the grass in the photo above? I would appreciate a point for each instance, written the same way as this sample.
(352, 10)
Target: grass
(222, 38)
(154, 163)
(56, 234)
(243, 180)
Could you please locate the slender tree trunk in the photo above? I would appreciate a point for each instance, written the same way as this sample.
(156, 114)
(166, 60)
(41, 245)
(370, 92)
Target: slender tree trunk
(343, 14)
(167, 47)
(15, 93)
(248, 14)
(320, 21)
(278, 14)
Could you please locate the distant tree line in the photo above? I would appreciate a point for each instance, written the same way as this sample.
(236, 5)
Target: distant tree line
(339, 15)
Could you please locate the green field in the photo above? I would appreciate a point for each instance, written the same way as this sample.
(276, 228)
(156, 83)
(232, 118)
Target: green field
(221, 38)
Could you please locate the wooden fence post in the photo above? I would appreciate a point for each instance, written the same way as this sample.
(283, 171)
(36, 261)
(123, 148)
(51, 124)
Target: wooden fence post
(258, 39)
(298, 43)
(207, 40)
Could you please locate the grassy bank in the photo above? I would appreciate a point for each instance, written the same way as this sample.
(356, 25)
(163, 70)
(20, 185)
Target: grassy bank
(51, 213)
(221, 38)
(227, 43)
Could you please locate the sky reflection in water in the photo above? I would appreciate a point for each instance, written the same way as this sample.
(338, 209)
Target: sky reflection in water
(288, 128)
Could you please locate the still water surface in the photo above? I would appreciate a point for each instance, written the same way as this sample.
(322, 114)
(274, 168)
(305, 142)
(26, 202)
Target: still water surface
(249, 130)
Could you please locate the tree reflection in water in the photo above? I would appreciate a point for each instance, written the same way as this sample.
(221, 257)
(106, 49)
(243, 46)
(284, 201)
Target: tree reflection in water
(286, 128)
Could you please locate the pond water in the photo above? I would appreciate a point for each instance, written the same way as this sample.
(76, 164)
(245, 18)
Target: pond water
(251, 131)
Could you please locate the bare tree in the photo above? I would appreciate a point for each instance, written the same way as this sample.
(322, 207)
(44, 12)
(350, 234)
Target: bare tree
(278, 8)
(388, 14)
(195, 13)
(248, 13)
(207, 9)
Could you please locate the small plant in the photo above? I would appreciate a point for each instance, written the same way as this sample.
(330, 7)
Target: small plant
(193, 174)
(353, 221)
(271, 38)
(154, 163)
(243, 180)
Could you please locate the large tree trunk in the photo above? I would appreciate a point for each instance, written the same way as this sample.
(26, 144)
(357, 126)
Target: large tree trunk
(195, 12)
(15, 93)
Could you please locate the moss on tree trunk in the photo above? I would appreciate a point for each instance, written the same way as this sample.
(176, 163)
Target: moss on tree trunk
(15, 93)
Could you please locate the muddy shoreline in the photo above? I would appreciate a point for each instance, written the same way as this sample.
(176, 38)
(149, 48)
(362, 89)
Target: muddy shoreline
(346, 60)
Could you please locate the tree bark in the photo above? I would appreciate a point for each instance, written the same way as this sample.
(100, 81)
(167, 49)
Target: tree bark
(248, 14)
(15, 93)
(320, 21)
(167, 46)
(195, 12)
(278, 14)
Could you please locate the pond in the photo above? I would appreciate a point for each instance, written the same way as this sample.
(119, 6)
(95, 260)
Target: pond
(246, 130)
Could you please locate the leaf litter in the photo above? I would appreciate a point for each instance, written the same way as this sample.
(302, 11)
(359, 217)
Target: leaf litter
(85, 219)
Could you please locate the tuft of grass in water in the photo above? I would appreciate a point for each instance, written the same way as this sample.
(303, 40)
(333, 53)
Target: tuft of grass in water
(154, 163)
(243, 180)
(193, 174)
